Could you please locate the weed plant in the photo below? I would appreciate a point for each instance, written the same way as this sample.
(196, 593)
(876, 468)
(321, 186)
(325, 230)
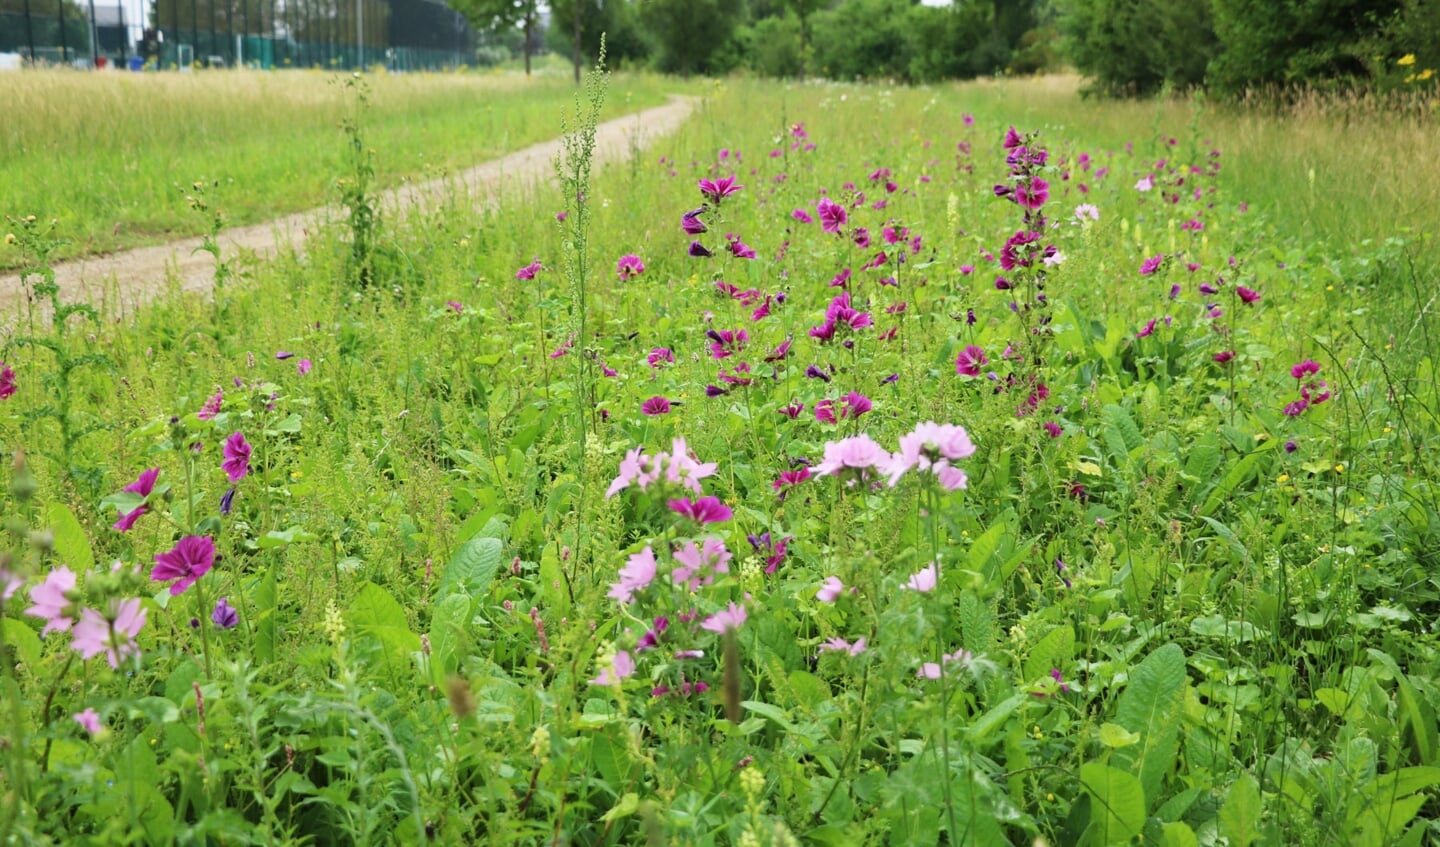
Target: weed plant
(966, 480)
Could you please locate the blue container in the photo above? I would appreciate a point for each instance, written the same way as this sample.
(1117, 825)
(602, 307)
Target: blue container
(137, 63)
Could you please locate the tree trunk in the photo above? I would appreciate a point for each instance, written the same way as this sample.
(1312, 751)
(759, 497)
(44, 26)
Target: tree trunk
(529, 25)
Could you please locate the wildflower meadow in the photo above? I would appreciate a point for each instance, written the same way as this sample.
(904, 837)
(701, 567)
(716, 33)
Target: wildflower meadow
(859, 465)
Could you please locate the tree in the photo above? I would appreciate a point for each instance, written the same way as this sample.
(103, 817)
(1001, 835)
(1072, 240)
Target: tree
(491, 15)
(690, 35)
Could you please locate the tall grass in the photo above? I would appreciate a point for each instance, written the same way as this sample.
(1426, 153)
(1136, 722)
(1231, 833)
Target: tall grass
(107, 154)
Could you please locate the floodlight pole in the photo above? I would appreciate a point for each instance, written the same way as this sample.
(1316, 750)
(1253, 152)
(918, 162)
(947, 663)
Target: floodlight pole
(360, 31)
(94, 36)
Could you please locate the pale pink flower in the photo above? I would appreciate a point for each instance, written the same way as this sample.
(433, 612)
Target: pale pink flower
(9, 584)
(925, 580)
(698, 565)
(932, 670)
(113, 634)
(830, 590)
(730, 617)
(90, 720)
(840, 645)
(638, 573)
(857, 452)
(622, 667)
(51, 604)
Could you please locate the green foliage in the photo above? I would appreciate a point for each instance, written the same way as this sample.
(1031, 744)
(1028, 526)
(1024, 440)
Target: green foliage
(1139, 46)
(691, 36)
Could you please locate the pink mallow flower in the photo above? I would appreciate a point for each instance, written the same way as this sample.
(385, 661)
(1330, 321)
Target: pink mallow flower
(970, 360)
(51, 601)
(621, 667)
(529, 271)
(699, 564)
(840, 645)
(638, 573)
(832, 215)
(90, 721)
(855, 453)
(629, 266)
(924, 581)
(112, 634)
(830, 590)
(702, 510)
(729, 618)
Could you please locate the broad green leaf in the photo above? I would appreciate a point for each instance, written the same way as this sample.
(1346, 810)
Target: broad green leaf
(1240, 814)
(552, 581)
(471, 568)
(23, 640)
(980, 729)
(977, 630)
(447, 627)
(1178, 834)
(1238, 474)
(1117, 808)
(628, 805)
(774, 713)
(972, 802)
(375, 614)
(984, 547)
(1049, 653)
(810, 690)
(283, 538)
(609, 753)
(71, 545)
(264, 602)
(1150, 706)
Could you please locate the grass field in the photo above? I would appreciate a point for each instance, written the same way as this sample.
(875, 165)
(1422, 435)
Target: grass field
(902, 517)
(113, 156)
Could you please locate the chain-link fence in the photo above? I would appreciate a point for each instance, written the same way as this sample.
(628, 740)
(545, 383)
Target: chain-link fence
(170, 34)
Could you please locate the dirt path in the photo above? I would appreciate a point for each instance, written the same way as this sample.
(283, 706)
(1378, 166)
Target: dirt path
(128, 279)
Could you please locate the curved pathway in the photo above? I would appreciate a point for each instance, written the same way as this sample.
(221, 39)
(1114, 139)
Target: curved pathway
(127, 279)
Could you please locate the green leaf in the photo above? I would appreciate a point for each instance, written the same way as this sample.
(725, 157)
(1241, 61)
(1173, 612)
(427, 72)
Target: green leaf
(979, 730)
(71, 545)
(628, 805)
(1150, 706)
(374, 614)
(1240, 815)
(1051, 652)
(610, 755)
(447, 627)
(1117, 809)
(1115, 736)
(23, 641)
(552, 581)
(471, 568)
(977, 630)
(276, 538)
(265, 595)
(1178, 834)
(774, 713)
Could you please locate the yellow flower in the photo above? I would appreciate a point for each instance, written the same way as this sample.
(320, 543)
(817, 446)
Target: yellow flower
(1339, 469)
(1407, 59)
(1425, 74)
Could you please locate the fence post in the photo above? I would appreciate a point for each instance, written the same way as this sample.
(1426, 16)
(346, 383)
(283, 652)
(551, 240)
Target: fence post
(64, 47)
(29, 32)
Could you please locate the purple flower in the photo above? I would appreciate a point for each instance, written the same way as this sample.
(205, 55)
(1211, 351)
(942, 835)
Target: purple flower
(659, 356)
(656, 405)
(700, 251)
(802, 216)
(924, 580)
(1147, 330)
(191, 558)
(861, 237)
(1033, 193)
(698, 565)
(224, 615)
(303, 366)
(1054, 429)
(528, 272)
(143, 485)
(856, 404)
(729, 618)
(237, 457)
(637, 574)
(1223, 357)
(832, 215)
(1305, 368)
(628, 266)
(690, 222)
(970, 360)
(1151, 265)
(1248, 295)
(825, 411)
(830, 590)
(7, 381)
(90, 721)
(702, 510)
(840, 645)
(740, 249)
(227, 501)
(621, 667)
(282, 355)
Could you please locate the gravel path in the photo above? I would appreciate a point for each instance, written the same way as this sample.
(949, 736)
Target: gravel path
(120, 282)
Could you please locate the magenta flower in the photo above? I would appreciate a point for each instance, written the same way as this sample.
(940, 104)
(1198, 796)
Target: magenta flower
(636, 575)
(700, 251)
(740, 249)
(112, 634)
(1223, 357)
(1146, 183)
(1147, 330)
(621, 667)
(659, 356)
(629, 266)
(90, 721)
(1053, 429)
(282, 355)
(52, 603)
(7, 381)
(529, 271)
(970, 360)
(861, 237)
(933, 670)
(303, 366)
(237, 457)
(790, 479)
(832, 215)
(9, 584)
(856, 404)
(1304, 369)
(456, 306)
(656, 405)
(1151, 265)
(698, 565)
(191, 558)
(924, 581)
(726, 342)
(825, 411)
(1248, 295)
(718, 189)
(802, 216)
(729, 618)
(1033, 193)
(143, 485)
(702, 510)
(212, 406)
(830, 590)
(224, 615)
